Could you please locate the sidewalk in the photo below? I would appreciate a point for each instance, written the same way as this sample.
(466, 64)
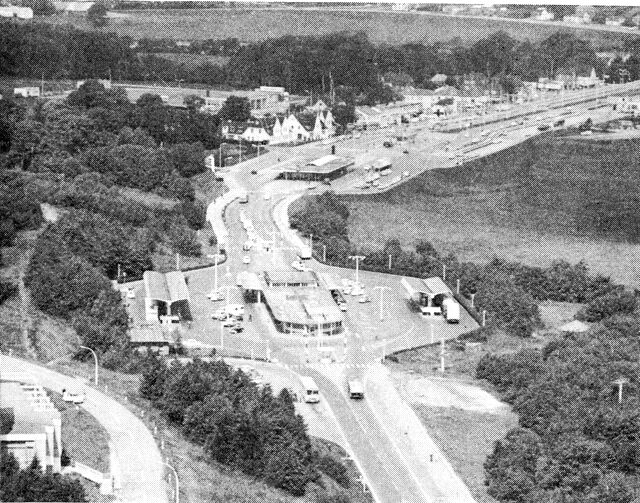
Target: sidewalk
(407, 432)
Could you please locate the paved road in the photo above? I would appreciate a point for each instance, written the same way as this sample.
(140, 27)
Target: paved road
(138, 471)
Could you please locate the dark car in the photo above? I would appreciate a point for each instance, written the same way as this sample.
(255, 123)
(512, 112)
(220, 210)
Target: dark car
(543, 127)
(387, 144)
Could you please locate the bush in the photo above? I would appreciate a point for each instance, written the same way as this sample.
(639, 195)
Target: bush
(7, 290)
(334, 469)
(619, 302)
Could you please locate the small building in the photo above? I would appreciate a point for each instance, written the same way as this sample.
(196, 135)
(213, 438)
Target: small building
(584, 18)
(385, 115)
(428, 291)
(574, 326)
(543, 14)
(327, 167)
(16, 12)
(614, 21)
(106, 83)
(454, 10)
(152, 338)
(166, 296)
(439, 79)
(30, 425)
(77, 8)
(252, 131)
(27, 92)
(545, 84)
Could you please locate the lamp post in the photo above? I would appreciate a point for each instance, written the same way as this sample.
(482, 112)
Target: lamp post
(324, 253)
(357, 258)
(175, 474)
(95, 360)
(382, 289)
(620, 382)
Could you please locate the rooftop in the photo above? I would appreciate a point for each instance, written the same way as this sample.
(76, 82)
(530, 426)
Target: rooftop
(427, 286)
(324, 165)
(169, 287)
(305, 306)
(24, 409)
(286, 277)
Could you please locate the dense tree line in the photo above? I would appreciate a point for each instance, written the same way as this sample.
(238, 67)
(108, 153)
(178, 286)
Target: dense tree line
(18, 211)
(575, 442)
(508, 291)
(349, 62)
(238, 423)
(31, 484)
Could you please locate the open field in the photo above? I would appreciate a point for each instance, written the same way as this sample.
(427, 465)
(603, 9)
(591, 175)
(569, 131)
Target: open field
(549, 198)
(381, 26)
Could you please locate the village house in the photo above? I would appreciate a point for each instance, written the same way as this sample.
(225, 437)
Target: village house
(17, 12)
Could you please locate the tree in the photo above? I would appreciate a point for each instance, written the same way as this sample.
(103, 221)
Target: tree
(97, 14)
(236, 108)
(616, 302)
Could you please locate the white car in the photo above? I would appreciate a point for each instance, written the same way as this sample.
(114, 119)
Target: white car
(246, 259)
(229, 322)
(267, 197)
(299, 266)
(364, 299)
(342, 306)
(357, 291)
(514, 123)
(215, 296)
(131, 293)
(220, 314)
(73, 396)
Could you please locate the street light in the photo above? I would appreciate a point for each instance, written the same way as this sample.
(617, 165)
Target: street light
(175, 474)
(382, 289)
(95, 359)
(357, 258)
(620, 382)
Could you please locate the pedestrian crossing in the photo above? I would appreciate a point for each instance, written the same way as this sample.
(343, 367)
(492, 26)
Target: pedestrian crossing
(320, 366)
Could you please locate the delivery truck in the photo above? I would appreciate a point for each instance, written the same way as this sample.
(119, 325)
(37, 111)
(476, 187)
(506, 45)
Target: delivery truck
(451, 310)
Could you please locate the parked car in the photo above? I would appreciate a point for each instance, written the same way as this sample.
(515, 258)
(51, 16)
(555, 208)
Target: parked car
(387, 144)
(220, 314)
(229, 322)
(364, 299)
(299, 266)
(215, 296)
(342, 306)
(73, 396)
(246, 259)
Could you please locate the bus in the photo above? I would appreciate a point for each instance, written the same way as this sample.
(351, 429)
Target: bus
(310, 389)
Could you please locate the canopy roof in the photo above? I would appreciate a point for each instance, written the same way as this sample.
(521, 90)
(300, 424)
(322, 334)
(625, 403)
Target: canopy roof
(170, 287)
(428, 286)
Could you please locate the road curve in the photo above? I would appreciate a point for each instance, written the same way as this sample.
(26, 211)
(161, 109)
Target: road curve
(139, 473)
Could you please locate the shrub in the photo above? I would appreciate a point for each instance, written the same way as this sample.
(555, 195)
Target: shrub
(618, 302)
(333, 468)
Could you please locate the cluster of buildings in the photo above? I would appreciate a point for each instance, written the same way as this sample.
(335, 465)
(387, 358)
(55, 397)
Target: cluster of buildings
(281, 128)
(30, 425)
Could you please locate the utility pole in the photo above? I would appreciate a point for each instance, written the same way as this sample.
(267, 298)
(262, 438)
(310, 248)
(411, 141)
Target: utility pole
(620, 382)
(324, 253)
(382, 289)
(357, 258)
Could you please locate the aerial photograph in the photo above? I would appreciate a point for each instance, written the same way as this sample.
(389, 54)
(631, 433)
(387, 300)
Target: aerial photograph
(319, 252)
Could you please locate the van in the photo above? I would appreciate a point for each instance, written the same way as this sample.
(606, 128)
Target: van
(244, 198)
(247, 246)
(310, 390)
(356, 390)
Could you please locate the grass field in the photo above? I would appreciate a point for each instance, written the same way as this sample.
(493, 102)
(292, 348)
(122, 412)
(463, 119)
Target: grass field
(258, 24)
(548, 199)
(185, 58)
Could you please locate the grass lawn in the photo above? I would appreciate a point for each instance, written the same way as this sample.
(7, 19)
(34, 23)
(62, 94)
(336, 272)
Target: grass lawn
(83, 437)
(190, 58)
(255, 24)
(549, 198)
(466, 438)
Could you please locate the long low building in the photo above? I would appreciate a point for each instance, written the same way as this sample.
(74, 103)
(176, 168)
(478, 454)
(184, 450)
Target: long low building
(327, 167)
(299, 303)
(162, 291)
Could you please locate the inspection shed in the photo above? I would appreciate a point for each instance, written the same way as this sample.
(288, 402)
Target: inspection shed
(428, 289)
(165, 294)
(327, 167)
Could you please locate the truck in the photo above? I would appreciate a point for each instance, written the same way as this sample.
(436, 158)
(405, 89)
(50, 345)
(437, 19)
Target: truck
(451, 310)
(244, 198)
(356, 390)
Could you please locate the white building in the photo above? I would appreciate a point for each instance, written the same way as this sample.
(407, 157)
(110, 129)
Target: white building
(16, 12)
(27, 92)
(544, 15)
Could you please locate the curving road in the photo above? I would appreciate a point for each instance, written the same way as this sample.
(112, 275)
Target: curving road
(138, 472)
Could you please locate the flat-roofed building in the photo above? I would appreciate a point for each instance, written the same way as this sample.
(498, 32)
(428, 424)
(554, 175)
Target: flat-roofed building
(30, 425)
(421, 289)
(165, 295)
(327, 167)
(299, 302)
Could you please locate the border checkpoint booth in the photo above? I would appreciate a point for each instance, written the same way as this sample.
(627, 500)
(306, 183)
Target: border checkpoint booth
(424, 293)
(166, 296)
